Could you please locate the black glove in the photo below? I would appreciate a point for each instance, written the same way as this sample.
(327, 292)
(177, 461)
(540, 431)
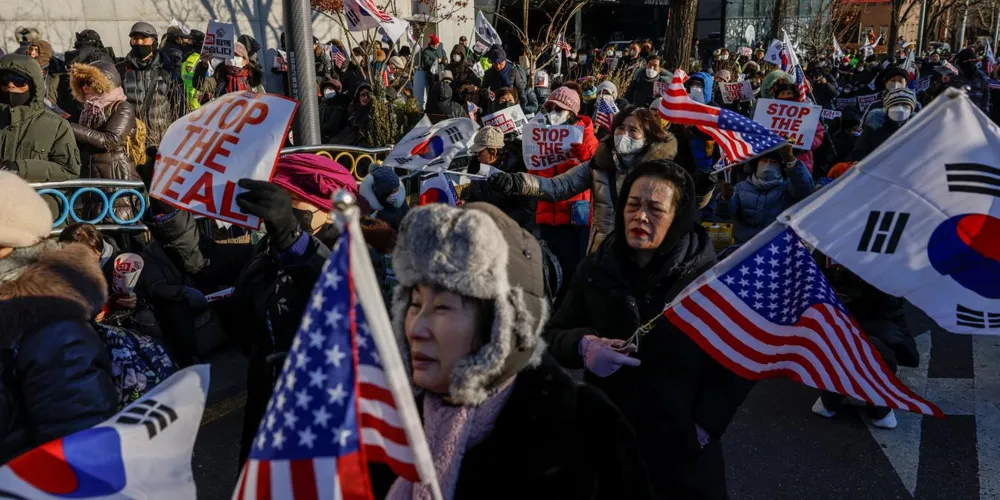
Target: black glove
(274, 206)
(10, 165)
(194, 299)
(502, 183)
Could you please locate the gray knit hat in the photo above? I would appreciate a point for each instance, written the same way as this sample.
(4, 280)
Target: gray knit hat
(487, 137)
(476, 251)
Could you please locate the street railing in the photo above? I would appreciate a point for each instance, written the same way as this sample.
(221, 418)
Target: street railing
(68, 193)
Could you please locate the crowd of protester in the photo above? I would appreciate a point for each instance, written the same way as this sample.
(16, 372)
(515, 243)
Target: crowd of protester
(546, 270)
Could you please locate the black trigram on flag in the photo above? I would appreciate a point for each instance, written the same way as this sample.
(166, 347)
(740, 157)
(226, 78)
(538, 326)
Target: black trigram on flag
(155, 416)
(973, 178)
(976, 319)
(882, 232)
(352, 18)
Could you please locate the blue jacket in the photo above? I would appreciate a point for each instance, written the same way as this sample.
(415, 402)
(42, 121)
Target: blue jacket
(751, 210)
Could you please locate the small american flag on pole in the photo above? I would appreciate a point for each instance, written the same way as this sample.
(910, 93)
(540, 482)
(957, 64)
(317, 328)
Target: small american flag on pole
(768, 311)
(369, 7)
(337, 56)
(332, 409)
(739, 137)
(604, 114)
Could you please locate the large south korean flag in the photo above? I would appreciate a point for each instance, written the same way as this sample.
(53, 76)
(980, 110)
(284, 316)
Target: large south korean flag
(920, 217)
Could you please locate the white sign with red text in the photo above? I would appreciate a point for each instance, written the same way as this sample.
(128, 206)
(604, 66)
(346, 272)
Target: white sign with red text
(795, 121)
(219, 40)
(547, 145)
(508, 120)
(204, 154)
(736, 91)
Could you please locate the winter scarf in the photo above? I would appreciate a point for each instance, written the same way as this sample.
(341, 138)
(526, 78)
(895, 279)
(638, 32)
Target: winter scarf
(763, 185)
(94, 105)
(236, 79)
(451, 431)
(505, 74)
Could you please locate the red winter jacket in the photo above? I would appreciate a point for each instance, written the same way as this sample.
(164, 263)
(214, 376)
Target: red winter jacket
(558, 213)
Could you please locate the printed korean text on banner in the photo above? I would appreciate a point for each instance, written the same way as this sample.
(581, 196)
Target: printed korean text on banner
(219, 40)
(736, 91)
(773, 54)
(144, 451)
(128, 267)
(204, 153)
(845, 102)
(485, 33)
(745, 51)
(794, 121)
(866, 101)
(830, 114)
(432, 147)
(921, 85)
(918, 218)
(509, 120)
(545, 146)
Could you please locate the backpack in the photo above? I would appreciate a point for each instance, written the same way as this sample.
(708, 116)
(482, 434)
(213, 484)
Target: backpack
(138, 362)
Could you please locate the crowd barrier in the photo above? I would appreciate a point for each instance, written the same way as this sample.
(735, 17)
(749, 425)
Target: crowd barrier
(67, 195)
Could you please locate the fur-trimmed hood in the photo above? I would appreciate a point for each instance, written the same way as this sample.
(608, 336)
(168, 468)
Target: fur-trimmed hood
(48, 283)
(101, 75)
(604, 157)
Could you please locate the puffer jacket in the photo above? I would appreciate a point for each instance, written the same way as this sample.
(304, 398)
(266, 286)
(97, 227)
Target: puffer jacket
(104, 151)
(559, 213)
(56, 369)
(152, 91)
(39, 141)
(596, 175)
(752, 209)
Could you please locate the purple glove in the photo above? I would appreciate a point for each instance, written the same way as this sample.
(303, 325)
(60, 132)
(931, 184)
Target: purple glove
(703, 437)
(601, 357)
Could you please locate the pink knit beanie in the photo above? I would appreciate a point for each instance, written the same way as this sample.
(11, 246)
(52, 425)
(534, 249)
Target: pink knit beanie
(565, 98)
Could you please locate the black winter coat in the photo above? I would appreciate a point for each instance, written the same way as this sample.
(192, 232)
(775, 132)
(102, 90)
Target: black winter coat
(677, 385)
(520, 208)
(56, 369)
(272, 291)
(158, 99)
(554, 439)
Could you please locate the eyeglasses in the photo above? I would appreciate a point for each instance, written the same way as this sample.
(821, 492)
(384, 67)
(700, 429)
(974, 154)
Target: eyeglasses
(16, 79)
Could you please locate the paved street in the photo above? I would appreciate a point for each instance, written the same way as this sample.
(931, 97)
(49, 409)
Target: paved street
(776, 448)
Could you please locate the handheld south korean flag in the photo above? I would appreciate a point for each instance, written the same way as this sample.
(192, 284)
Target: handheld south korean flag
(919, 218)
(142, 452)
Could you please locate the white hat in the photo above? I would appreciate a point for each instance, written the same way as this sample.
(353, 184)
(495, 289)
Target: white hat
(25, 218)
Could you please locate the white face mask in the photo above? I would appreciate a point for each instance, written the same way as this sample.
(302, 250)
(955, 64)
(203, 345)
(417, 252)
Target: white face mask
(330, 94)
(898, 113)
(626, 145)
(651, 73)
(894, 85)
(610, 53)
(396, 199)
(558, 117)
(456, 58)
(697, 94)
(236, 62)
(724, 57)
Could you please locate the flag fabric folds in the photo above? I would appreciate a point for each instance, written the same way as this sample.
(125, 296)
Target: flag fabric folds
(333, 408)
(768, 311)
(142, 452)
(604, 114)
(740, 138)
(431, 147)
(437, 188)
(919, 217)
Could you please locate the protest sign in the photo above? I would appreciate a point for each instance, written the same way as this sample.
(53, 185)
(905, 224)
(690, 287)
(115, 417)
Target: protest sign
(545, 146)
(846, 102)
(736, 91)
(431, 147)
(773, 54)
(128, 267)
(204, 153)
(865, 101)
(830, 114)
(509, 120)
(219, 40)
(746, 51)
(660, 88)
(794, 121)
(920, 85)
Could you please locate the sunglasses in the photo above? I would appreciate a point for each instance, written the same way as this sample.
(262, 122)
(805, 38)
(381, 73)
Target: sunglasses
(16, 79)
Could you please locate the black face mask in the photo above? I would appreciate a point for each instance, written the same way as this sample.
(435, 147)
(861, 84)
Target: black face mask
(12, 99)
(305, 218)
(142, 51)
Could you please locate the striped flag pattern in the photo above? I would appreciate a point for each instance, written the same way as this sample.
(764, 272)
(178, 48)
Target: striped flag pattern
(337, 56)
(331, 409)
(739, 137)
(768, 311)
(369, 7)
(604, 114)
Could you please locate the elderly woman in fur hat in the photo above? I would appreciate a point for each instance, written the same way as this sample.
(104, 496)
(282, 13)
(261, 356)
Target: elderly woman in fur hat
(110, 142)
(56, 369)
(502, 419)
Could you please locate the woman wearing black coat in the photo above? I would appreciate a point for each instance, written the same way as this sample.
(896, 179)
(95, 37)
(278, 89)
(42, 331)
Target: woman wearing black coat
(677, 398)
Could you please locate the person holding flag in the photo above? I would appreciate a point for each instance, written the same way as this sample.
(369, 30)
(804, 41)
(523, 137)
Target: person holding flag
(502, 419)
(677, 398)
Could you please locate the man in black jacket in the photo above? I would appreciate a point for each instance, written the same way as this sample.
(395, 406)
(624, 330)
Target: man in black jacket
(174, 50)
(149, 87)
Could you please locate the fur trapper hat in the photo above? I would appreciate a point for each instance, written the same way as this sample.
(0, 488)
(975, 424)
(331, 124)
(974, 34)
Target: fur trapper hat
(100, 75)
(476, 251)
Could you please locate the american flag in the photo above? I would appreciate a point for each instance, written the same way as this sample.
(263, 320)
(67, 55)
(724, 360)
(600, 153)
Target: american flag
(768, 311)
(739, 137)
(337, 56)
(605, 113)
(989, 60)
(369, 7)
(331, 409)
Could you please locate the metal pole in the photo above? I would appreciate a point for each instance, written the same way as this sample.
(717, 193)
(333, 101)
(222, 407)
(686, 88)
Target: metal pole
(921, 26)
(996, 31)
(578, 26)
(302, 70)
(961, 31)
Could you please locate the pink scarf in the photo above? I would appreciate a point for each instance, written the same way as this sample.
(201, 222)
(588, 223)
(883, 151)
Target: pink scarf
(451, 431)
(93, 116)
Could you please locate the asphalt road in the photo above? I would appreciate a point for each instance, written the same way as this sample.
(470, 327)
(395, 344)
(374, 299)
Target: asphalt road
(776, 447)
